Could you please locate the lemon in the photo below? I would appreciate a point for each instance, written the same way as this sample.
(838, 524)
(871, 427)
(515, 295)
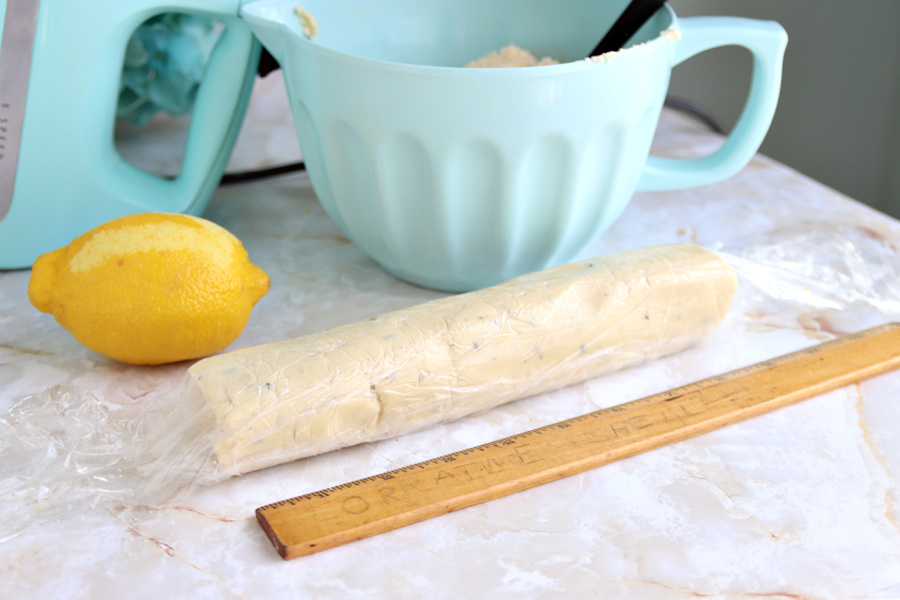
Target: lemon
(150, 288)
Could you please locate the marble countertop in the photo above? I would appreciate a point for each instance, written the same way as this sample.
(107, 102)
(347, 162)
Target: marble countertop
(799, 503)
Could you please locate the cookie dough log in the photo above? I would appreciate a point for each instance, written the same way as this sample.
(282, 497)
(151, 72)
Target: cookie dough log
(451, 357)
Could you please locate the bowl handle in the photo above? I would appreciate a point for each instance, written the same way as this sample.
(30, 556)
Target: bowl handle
(766, 40)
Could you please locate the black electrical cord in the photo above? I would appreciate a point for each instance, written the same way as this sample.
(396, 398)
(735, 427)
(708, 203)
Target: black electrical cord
(678, 104)
(247, 176)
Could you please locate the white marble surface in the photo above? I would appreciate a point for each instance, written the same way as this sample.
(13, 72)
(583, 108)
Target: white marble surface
(800, 503)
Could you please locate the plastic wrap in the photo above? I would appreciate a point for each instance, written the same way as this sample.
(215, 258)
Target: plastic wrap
(832, 270)
(455, 356)
(410, 369)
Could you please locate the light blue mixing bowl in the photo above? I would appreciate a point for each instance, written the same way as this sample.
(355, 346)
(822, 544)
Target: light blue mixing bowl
(455, 178)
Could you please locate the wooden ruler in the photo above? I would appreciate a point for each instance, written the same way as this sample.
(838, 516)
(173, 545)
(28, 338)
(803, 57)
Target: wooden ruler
(352, 511)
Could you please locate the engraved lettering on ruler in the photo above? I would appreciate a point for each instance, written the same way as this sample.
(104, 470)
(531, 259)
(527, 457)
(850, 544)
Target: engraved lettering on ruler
(638, 422)
(355, 505)
(524, 456)
(670, 416)
(442, 475)
(468, 472)
(493, 465)
(616, 429)
(595, 436)
(387, 495)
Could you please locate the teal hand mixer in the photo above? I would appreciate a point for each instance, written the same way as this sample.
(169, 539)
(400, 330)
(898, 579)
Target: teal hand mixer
(60, 69)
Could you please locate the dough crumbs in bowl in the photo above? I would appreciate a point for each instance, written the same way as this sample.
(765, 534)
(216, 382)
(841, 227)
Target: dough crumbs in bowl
(511, 56)
(307, 21)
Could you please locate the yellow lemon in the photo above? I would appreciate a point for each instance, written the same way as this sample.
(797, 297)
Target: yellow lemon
(150, 288)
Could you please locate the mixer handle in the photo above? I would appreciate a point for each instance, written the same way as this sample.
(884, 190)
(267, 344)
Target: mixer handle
(219, 108)
(766, 40)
